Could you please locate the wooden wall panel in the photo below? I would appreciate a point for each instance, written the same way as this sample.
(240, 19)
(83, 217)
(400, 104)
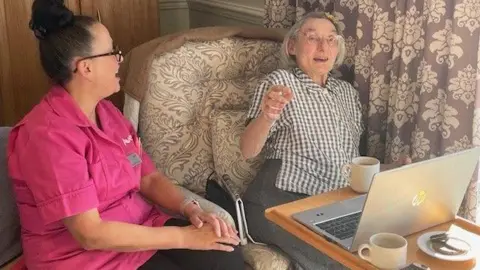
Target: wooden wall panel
(73, 5)
(29, 83)
(130, 22)
(22, 80)
(6, 106)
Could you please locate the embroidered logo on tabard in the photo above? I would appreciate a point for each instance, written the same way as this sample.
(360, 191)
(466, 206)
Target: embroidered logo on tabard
(127, 140)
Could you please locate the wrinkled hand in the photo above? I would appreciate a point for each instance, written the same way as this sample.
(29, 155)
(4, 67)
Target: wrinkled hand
(403, 160)
(204, 238)
(198, 217)
(277, 97)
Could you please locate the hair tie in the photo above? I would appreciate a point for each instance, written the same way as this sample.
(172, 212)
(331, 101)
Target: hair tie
(39, 31)
(49, 16)
(331, 18)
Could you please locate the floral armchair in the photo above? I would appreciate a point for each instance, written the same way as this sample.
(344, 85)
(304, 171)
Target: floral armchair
(188, 94)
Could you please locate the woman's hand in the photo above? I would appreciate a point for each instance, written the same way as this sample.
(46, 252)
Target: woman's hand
(198, 217)
(277, 97)
(204, 238)
(403, 160)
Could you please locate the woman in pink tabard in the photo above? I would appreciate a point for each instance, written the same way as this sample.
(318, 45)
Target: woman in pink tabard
(80, 176)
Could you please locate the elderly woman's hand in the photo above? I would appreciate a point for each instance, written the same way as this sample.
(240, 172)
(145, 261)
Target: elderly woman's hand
(277, 97)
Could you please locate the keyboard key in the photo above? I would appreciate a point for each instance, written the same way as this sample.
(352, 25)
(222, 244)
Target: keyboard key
(342, 227)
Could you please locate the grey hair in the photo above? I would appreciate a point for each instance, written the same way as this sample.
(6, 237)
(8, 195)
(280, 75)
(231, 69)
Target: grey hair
(288, 60)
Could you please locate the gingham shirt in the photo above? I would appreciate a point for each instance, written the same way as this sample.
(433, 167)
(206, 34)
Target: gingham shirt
(317, 133)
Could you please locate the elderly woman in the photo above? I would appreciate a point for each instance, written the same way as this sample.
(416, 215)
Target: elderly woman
(309, 126)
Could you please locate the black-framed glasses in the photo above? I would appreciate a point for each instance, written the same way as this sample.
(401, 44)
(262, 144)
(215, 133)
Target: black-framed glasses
(116, 52)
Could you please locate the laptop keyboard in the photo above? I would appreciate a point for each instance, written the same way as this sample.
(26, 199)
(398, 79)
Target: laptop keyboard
(343, 227)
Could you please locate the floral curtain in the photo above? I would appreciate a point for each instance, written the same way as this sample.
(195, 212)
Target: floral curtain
(416, 64)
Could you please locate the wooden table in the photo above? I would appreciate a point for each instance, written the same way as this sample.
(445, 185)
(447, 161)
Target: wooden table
(281, 215)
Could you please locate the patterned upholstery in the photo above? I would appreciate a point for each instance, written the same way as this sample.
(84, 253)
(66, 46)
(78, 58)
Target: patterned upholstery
(227, 126)
(197, 97)
(185, 85)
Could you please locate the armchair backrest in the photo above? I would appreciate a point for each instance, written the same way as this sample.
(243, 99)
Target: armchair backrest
(185, 86)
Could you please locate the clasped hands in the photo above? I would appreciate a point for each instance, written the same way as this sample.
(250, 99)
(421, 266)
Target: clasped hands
(208, 231)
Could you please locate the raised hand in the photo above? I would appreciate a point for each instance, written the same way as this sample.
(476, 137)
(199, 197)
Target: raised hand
(275, 100)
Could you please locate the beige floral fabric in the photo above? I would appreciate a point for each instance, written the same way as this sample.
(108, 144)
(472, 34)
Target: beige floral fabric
(265, 258)
(184, 86)
(415, 66)
(227, 127)
(138, 61)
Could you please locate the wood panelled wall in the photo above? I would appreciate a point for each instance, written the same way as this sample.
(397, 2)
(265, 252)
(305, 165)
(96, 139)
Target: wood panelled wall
(22, 80)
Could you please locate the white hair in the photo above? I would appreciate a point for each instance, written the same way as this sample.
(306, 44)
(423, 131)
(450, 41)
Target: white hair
(289, 61)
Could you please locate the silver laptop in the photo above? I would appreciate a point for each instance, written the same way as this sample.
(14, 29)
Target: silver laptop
(404, 201)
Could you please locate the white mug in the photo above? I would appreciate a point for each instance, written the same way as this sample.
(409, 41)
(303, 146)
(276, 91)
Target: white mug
(360, 172)
(385, 251)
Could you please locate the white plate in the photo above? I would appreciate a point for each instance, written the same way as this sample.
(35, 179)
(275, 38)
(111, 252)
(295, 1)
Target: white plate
(424, 244)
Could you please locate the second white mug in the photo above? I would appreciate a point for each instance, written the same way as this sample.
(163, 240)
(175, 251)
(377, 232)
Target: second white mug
(360, 173)
(385, 251)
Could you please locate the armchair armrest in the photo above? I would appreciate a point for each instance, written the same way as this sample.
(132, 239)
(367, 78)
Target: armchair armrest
(208, 206)
(131, 110)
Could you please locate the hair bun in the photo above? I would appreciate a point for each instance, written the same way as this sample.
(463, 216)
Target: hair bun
(49, 16)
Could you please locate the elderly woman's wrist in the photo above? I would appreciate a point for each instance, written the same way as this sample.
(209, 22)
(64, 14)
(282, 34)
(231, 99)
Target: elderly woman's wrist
(267, 119)
(189, 207)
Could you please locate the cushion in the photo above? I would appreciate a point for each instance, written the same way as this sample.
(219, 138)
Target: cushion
(10, 245)
(227, 128)
(265, 257)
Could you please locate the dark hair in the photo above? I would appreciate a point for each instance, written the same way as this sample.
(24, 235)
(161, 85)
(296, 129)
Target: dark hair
(62, 36)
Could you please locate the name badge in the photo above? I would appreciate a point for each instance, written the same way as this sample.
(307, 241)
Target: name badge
(134, 159)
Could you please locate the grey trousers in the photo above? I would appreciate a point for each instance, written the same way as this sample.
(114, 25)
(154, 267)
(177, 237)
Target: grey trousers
(262, 194)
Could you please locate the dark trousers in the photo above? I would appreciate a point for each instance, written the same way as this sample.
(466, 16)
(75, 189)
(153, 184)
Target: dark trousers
(262, 194)
(185, 259)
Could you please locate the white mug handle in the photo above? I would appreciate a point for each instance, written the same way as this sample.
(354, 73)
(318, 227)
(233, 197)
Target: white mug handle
(360, 252)
(347, 170)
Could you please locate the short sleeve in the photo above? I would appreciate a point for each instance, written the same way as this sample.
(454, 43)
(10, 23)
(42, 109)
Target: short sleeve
(256, 101)
(148, 167)
(359, 110)
(52, 163)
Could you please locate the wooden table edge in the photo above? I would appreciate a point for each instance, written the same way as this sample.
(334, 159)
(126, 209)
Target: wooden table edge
(334, 251)
(330, 249)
